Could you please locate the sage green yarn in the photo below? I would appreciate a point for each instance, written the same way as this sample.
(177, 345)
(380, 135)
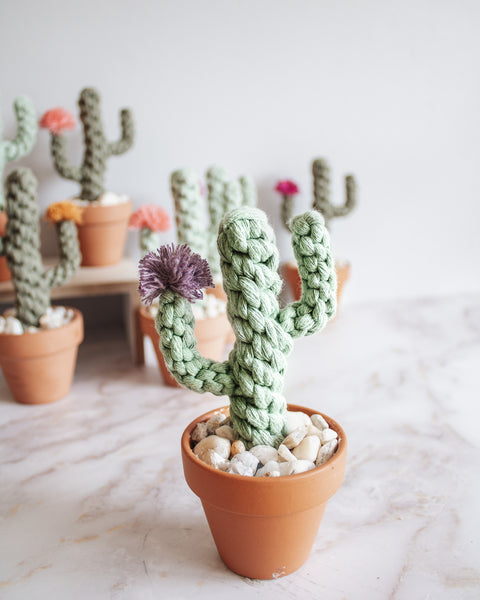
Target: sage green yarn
(287, 209)
(189, 210)
(253, 375)
(321, 192)
(249, 191)
(23, 142)
(149, 240)
(97, 149)
(32, 282)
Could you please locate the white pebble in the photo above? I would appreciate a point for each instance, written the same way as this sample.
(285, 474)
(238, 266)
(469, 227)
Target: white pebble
(295, 420)
(319, 422)
(326, 452)
(13, 326)
(2, 324)
(308, 448)
(328, 435)
(264, 453)
(300, 466)
(295, 437)
(225, 431)
(199, 433)
(213, 442)
(274, 469)
(237, 447)
(285, 454)
(244, 463)
(214, 459)
(214, 422)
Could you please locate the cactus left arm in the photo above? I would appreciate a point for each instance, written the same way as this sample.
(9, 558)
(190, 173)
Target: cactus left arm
(27, 129)
(311, 245)
(70, 257)
(128, 134)
(249, 190)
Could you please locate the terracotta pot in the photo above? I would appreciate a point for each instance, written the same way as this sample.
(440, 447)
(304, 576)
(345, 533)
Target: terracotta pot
(219, 293)
(39, 367)
(264, 527)
(5, 274)
(102, 233)
(291, 275)
(210, 333)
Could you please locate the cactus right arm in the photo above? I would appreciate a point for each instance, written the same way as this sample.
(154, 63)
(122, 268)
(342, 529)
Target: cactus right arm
(128, 134)
(60, 160)
(175, 324)
(27, 129)
(70, 257)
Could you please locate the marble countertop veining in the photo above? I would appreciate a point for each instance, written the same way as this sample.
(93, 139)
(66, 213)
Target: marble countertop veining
(93, 503)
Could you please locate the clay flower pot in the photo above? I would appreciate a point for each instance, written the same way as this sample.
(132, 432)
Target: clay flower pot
(291, 275)
(5, 274)
(211, 334)
(39, 367)
(264, 527)
(103, 232)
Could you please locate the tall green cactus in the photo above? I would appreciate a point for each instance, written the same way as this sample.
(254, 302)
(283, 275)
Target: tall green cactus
(253, 374)
(24, 140)
(21, 245)
(91, 175)
(321, 192)
(223, 195)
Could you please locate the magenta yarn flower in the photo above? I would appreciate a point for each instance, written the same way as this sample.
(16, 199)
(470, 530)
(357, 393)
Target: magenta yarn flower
(174, 268)
(287, 187)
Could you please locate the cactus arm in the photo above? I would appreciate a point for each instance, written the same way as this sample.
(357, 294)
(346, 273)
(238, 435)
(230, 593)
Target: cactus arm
(60, 161)
(70, 257)
(175, 324)
(249, 191)
(26, 132)
(311, 245)
(149, 240)
(321, 193)
(287, 209)
(128, 134)
(189, 210)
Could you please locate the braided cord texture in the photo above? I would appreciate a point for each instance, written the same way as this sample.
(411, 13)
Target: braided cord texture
(175, 324)
(189, 215)
(287, 209)
(311, 245)
(249, 191)
(128, 134)
(70, 256)
(60, 160)
(321, 192)
(96, 146)
(249, 258)
(22, 247)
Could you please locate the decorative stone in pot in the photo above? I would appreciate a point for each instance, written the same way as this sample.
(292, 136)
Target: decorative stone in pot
(252, 377)
(38, 344)
(103, 230)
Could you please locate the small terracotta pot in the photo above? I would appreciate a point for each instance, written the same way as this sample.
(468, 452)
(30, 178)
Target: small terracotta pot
(264, 527)
(102, 233)
(210, 333)
(5, 274)
(292, 276)
(39, 367)
(219, 293)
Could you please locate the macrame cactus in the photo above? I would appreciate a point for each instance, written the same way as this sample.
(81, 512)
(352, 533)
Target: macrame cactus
(223, 195)
(91, 175)
(253, 374)
(150, 220)
(288, 189)
(321, 192)
(24, 140)
(21, 245)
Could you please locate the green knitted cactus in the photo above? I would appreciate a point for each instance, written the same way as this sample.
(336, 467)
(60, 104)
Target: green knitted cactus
(91, 175)
(21, 245)
(253, 374)
(321, 192)
(24, 140)
(223, 195)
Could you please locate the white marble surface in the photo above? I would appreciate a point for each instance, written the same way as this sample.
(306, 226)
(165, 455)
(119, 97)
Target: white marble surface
(94, 505)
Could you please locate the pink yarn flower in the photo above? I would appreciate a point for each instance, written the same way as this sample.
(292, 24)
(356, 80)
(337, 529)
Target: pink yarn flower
(57, 120)
(287, 187)
(150, 216)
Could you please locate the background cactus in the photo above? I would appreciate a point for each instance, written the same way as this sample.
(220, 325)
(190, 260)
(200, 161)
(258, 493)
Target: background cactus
(223, 195)
(24, 140)
(21, 245)
(253, 374)
(150, 220)
(91, 175)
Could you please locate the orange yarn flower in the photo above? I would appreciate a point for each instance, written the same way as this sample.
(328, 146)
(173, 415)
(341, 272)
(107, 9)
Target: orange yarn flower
(64, 211)
(56, 120)
(150, 216)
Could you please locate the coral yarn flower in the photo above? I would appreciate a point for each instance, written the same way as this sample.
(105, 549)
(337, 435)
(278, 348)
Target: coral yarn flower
(57, 120)
(150, 216)
(64, 211)
(287, 187)
(174, 268)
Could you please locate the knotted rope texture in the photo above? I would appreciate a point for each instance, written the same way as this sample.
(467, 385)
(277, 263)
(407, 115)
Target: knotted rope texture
(21, 245)
(321, 192)
(91, 175)
(253, 375)
(24, 140)
(223, 194)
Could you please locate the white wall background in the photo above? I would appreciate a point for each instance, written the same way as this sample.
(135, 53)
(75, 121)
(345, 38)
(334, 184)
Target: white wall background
(389, 90)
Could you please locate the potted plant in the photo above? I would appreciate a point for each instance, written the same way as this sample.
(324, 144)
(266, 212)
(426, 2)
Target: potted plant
(103, 230)
(321, 203)
(264, 527)
(13, 150)
(38, 343)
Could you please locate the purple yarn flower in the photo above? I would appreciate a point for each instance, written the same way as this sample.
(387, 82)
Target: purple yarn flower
(174, 268)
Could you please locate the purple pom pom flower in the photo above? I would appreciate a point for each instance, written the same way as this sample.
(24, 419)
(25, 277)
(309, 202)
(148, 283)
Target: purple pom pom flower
(174, 268)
